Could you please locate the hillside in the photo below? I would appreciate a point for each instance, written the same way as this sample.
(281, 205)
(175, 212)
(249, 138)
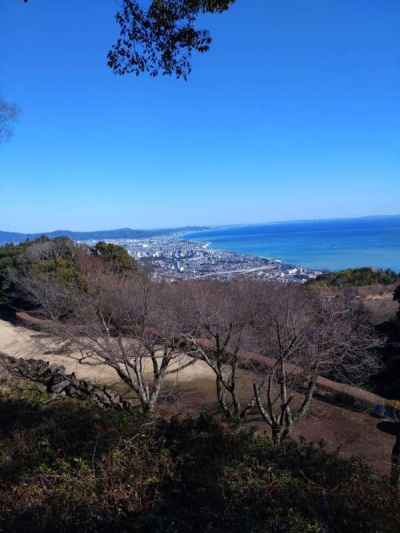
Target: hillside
(123, 233)
(356, 277)
(67, 467)
(82, 448)
(353, 433)
(70, 466)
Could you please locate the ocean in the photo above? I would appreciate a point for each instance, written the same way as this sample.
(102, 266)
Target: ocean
(321, 245)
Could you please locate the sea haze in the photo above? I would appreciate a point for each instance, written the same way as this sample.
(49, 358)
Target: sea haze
(322, 244)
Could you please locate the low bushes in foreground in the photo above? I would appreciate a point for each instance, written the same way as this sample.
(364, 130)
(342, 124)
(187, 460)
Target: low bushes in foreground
(72, 467)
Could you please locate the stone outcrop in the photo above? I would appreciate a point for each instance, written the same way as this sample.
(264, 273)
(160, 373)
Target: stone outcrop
(57, 382)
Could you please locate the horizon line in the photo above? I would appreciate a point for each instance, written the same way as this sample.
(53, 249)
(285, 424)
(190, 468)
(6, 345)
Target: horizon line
(206, 226)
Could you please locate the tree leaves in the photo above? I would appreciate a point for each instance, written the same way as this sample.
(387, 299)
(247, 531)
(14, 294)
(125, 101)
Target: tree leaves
(161, 39)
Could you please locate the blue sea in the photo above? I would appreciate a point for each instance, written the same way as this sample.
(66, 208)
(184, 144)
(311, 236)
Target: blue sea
(322, 244)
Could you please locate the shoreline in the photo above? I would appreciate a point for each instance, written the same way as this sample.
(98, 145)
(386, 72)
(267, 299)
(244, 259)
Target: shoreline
(177, 258)
(325, 246)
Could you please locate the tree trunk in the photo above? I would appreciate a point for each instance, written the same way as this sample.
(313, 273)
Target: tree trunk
(276, 435)
(395, 473)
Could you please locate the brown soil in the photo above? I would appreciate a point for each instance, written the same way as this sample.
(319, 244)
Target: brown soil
(346, 432)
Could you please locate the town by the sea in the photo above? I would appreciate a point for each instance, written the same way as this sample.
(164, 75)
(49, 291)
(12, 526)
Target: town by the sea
(322, 244)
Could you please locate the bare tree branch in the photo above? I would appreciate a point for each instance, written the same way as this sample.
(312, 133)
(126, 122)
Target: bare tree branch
(124, 322)
(307, 335)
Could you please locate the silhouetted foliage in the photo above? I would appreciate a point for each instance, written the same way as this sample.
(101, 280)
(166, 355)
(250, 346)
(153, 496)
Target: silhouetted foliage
(396, 298)
(387, 382)
(159, 37)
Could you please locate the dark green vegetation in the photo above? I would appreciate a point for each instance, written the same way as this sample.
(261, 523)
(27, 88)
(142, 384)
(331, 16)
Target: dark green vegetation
(58, 260)
(356, 277)
(71, 467)
(115, 255)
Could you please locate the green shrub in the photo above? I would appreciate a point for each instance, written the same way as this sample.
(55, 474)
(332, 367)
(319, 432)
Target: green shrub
(71, 467)
(59, 260)
(356, 277)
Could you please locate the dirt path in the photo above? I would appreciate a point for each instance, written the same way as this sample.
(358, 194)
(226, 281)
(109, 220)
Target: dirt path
(18, 341)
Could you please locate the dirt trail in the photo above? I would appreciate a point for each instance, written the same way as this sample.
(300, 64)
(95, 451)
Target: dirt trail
(22, 342)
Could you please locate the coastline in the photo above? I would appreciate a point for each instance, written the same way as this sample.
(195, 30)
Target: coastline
(323, 245)
(175, 258)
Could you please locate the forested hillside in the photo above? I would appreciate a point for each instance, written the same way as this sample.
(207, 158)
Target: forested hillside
(58, 260)
(356, 277)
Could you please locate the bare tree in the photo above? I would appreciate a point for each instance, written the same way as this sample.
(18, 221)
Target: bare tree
(222, 318)
(53, 298)
(306, 336)
(8, 114)
(52, 249)
(126, 323)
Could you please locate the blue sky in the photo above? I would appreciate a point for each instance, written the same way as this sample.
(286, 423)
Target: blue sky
(293, 114)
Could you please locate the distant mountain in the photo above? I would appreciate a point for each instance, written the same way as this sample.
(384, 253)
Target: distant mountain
(124, 233)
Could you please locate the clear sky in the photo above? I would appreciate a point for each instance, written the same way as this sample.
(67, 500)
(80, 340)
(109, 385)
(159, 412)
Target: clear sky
(293, 114)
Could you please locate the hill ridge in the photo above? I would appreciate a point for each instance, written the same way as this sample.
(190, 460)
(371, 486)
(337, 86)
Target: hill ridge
(119, 233)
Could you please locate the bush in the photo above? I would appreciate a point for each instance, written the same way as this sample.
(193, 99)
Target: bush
(59, 260)
(72, 467)
(356, 277)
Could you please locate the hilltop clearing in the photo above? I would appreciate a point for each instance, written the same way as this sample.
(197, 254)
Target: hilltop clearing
(350, 432)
